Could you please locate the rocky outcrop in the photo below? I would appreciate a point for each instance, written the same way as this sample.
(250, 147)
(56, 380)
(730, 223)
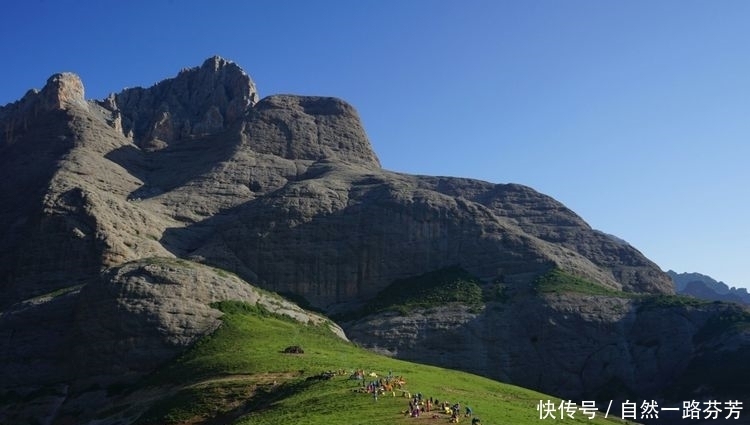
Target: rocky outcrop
(576, 346)
(308, 128)
(198, 102)
(35, 239)
(67, 223)
(111, 331)
(62, 92)
(144, 313)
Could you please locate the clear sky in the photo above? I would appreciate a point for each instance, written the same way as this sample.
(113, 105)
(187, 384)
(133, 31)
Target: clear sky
(635, 114)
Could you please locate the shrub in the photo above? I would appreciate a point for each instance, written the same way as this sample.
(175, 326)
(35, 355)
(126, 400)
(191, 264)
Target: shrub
(293, 349)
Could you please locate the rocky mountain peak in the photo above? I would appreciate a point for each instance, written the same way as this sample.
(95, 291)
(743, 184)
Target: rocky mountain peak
(197, 102)
(62, 91)
(309, 128)
(217, 62)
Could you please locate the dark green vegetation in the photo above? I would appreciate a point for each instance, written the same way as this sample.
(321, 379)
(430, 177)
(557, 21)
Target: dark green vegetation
(668, 301)
(558, 281)
(436, 288)
(733, 319)
(239, 375)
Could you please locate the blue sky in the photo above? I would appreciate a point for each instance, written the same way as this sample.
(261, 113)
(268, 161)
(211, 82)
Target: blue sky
(632, 113)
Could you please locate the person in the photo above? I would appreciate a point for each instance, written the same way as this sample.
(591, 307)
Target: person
(476, 421)
(468, 411)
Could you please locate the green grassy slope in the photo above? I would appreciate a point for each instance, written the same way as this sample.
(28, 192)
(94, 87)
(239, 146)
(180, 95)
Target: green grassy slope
(239, 375)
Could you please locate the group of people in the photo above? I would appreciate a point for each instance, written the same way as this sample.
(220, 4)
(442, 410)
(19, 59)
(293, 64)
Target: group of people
(379, 386)
(418, 404)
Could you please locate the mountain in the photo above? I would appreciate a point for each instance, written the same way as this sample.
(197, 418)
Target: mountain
(125, 219)
(706, 288)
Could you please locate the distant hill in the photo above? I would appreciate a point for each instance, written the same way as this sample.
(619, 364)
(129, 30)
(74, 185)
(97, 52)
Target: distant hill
(707, 288)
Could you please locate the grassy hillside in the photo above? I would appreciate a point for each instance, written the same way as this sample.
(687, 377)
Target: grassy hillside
(239, 375)
(559, 281)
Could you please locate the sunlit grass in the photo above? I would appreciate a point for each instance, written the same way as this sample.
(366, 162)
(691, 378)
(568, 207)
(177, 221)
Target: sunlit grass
(272, 387)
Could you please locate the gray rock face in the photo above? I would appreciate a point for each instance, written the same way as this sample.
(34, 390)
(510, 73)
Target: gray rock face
(356, 233)
(572, 345)
(198, 102)
(63, 91)
(116, 329)
(308, 128)
(144, 313)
